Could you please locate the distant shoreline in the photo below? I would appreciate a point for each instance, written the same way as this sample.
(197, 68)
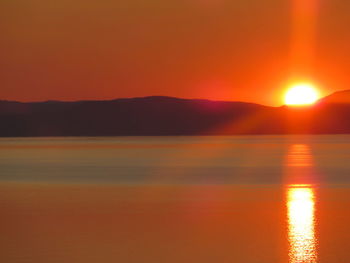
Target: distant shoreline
(167, 116)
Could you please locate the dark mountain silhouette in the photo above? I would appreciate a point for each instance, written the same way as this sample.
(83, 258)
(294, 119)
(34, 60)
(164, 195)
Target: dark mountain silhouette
(337, 97)
(167, 116)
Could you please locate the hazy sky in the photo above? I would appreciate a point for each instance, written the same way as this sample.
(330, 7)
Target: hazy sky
(215, 49)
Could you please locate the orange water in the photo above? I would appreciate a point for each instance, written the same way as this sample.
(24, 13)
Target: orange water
(218, 199)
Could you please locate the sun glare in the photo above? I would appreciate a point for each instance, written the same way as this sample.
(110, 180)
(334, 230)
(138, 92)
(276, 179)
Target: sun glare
(301, 94)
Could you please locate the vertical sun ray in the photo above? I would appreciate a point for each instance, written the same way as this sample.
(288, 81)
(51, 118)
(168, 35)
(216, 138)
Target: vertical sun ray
(304, 21)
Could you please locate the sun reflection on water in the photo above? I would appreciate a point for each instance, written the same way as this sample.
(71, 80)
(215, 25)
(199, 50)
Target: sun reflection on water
(301, 224)
(299, 155)
(301, 205)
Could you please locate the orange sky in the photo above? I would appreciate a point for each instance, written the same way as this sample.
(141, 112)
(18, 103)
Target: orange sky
(216, 49)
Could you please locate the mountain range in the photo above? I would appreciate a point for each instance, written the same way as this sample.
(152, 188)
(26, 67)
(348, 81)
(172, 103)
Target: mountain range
(158, 115)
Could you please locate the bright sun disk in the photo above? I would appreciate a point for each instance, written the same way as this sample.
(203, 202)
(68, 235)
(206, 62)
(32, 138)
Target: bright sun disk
(301, 94)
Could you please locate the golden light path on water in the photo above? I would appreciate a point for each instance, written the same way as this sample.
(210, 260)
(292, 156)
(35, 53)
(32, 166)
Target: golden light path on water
(301, 224)
(301, 206)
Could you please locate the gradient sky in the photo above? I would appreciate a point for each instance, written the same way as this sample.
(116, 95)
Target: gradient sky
(216, 49)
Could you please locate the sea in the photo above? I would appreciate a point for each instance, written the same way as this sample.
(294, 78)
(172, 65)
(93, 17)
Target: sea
(195, 199)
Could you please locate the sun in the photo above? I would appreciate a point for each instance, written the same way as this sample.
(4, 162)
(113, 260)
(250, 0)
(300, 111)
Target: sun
(301, 94)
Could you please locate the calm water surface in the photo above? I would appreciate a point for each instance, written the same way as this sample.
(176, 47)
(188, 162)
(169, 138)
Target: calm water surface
(175, 199)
